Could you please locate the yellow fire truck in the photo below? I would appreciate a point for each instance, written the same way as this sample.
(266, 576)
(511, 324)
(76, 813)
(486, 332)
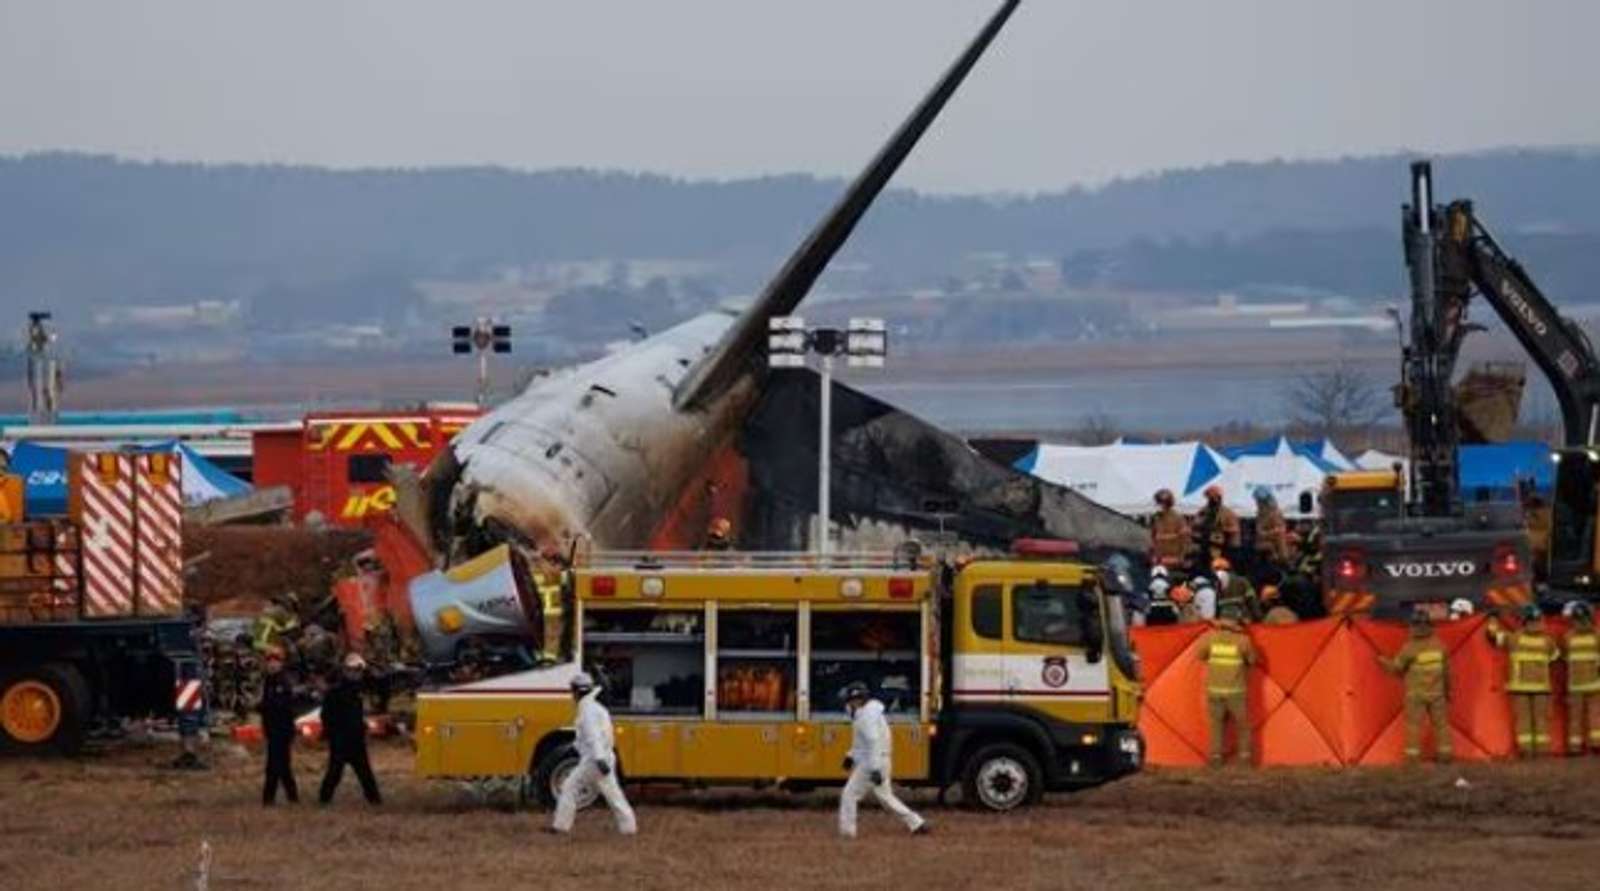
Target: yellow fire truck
(1008, 677)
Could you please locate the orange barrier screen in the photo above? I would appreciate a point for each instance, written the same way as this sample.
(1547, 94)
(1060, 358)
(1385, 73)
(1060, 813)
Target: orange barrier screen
(1319, 697)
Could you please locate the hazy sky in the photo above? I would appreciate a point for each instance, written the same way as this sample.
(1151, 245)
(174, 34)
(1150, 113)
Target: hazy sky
(1073, 91)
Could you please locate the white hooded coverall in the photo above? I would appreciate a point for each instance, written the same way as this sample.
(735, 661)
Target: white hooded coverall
(595, 742)
(870, 749)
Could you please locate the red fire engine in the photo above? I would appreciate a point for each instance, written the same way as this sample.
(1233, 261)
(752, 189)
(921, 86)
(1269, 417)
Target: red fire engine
(336, 463)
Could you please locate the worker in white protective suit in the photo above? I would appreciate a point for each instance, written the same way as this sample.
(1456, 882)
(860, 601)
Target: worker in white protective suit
(597, 762)
(868, 762)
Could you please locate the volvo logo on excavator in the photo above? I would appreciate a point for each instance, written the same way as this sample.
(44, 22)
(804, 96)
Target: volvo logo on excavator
(1523, 308)
(1444, 569)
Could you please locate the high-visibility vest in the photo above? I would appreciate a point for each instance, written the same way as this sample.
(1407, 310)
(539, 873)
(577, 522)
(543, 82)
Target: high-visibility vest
(1531, 655)
(1226, 676)
(1424, 679)
(1583, 662)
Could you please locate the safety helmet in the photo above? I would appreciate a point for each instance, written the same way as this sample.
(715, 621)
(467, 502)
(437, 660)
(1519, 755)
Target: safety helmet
(581, 682)
(1263, 494)
(1164, 497)
(1181, 594)
(1202, 582)
(1213, 492)
(354, 662)
(1221, 564)
(1579, 611)
(1269, 592)
(1461, 607)
(1532, 613)
(855, 690)
(721, 527)
(1160, 572)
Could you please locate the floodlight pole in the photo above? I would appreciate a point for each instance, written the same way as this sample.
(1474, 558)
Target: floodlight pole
(824, 447)
(863, 344)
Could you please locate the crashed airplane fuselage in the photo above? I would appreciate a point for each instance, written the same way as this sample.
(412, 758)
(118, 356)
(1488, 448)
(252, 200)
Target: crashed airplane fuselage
(608, 451)
(597, 451)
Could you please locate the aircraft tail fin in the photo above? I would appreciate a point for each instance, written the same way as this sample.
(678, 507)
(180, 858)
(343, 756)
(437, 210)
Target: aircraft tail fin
(716, 370)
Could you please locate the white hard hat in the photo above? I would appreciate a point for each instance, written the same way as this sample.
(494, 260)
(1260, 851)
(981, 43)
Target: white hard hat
(1461, 606)
(1160, 572)
(582, 681)
(355, 662)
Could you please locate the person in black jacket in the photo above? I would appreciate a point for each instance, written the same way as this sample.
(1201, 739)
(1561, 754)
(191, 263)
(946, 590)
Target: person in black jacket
(277, 725)
(344, 726)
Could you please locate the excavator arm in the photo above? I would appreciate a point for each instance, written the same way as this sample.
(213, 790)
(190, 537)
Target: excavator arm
(1467, 259)
(1555, 343)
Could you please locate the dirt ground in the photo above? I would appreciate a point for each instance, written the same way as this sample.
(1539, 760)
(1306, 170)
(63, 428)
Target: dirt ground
(119, 819)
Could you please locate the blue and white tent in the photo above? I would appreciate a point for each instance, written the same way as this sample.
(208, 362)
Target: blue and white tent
(44, 474)
(1124, 476)
(1281, 467)
(1322, 451)
(202, 480)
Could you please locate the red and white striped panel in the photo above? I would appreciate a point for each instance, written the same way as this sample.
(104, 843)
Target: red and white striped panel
(109, 547)
(64, 589)
(159, 533)
(188, 694)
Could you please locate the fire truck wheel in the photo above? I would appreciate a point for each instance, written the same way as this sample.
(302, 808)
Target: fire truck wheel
(43, 707)
(552, 772)
(1002, 777)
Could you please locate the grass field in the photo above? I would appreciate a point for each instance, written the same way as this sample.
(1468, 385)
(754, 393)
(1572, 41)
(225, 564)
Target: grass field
(118, 819)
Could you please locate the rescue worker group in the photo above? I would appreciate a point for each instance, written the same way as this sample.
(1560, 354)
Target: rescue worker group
(344, 727)
(1202, 572)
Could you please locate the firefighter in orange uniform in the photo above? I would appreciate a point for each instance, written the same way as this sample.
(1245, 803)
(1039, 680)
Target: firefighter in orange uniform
(1217, 530)
(1581, 649)
(1228, 655)
(1531, 651)
(1272, 534)
(1425, 666)
(1169, 533)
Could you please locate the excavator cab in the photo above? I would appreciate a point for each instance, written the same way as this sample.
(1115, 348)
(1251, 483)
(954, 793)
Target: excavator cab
(1573, 527)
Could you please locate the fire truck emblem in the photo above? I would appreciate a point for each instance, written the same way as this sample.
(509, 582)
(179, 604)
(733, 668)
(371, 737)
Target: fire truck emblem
(1054, 673)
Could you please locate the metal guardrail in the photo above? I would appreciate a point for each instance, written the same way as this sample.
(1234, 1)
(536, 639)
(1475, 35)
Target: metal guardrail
(748, 561)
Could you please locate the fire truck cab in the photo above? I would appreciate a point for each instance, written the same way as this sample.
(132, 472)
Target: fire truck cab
(337, 464)
(1008, 677)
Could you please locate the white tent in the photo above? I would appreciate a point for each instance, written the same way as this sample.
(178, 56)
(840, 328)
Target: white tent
(1372, 459)
(1125, 476)
(1285, 471)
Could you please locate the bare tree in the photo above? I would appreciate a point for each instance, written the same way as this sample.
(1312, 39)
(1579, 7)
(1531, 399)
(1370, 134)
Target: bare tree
(1336, 400)
(1098, 428)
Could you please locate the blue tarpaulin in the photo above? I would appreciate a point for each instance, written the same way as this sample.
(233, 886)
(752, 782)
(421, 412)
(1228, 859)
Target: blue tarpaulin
(1504, 466)
(44, 473)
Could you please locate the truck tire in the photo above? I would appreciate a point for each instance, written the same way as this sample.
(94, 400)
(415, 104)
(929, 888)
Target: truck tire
(44, 707)
(1001, 777)
(552, 771)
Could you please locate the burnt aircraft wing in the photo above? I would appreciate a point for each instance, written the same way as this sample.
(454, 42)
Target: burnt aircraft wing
(738, 350)
(897, 476)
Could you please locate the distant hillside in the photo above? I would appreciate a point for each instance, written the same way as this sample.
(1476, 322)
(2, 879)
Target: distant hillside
(81, 230)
